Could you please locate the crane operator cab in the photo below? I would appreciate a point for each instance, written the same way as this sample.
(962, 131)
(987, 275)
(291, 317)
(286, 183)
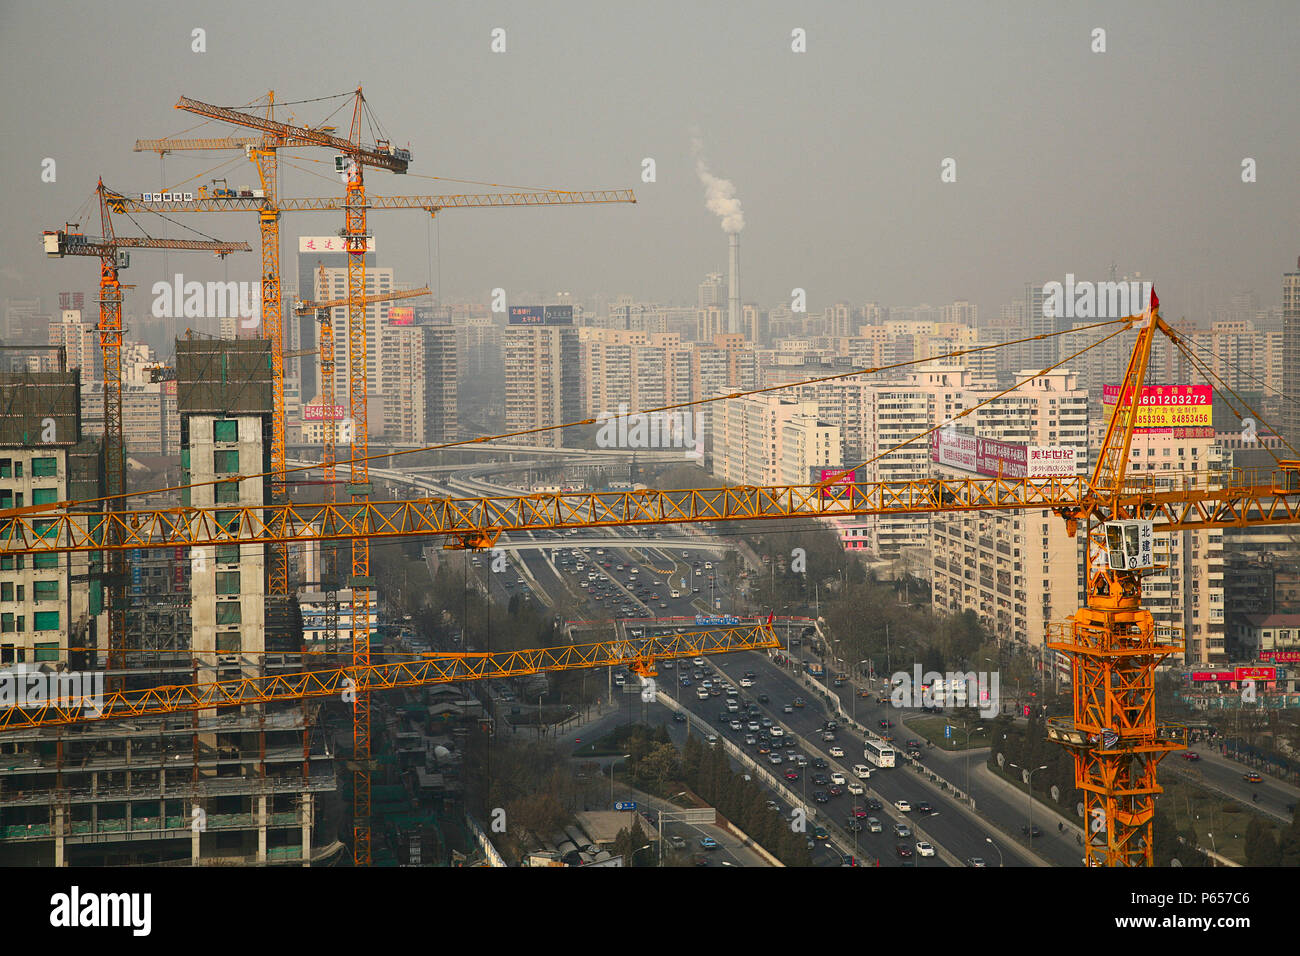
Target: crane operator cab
(1129, 545)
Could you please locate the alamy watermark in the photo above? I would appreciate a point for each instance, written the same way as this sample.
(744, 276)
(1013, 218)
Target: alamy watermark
(652, 430)
(1094, 300)
(23, 686)
(208, 300)
(954, 689)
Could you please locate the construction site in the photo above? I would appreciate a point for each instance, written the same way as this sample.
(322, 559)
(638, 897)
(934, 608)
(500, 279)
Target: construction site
(304, 588)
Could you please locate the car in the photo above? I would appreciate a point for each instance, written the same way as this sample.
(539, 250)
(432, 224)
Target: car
(902, 830)
(886, 724)
(747, 682)
(914, 754)
(853, 826)
(838, 777)
(924, 807)
(873, 825)
(764, 748)
(767, 722)
(763, 698)
(1031, 832)
(975, 861)
(838, 682)
(820, 763)
(821, 779)
(753, 726)
(836, 790)
(701, 861)
(750, 740)
(788, 709)
(821, 833)
(723, 718)
(902, 806)
(677, 843)
(679, 717)
(1191, 755)
(798, 702)
(861, 771)
(686, 681)
(859, 812)
(698, 662)
(855, 788)
(773, 805)
(821, 796)
(708, 843)
(836, 751)
(874, 804)
(913, 745)
(1252, 778)
(715, 691)
(924, 849)
(735, 725)
(904, 851)
(792, 774)
(828, 736)
(778, 732)
(711, 740)
(775, 759)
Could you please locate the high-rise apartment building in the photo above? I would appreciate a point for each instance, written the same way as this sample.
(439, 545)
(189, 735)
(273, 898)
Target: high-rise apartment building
(768, 440)
(542, 375)
(1291, 355)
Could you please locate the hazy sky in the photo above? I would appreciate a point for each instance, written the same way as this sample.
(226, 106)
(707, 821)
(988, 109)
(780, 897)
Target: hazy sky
(1066, 160)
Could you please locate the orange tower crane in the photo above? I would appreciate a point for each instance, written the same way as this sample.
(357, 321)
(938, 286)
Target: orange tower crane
(1114, 734)
(110, 249)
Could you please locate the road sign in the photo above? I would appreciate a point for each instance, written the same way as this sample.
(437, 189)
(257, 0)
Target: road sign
(625, 805)
(947, 731)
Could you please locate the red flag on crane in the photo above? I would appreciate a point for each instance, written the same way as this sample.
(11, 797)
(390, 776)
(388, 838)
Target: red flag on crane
(769, 618)
(1155, 299)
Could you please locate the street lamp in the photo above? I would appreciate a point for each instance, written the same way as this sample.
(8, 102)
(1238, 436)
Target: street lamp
(632, 855)
(611, 776)
(1030, 793)
(989, 841)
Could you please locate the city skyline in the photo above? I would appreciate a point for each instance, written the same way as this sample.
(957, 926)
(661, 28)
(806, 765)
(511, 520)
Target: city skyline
(812, 159)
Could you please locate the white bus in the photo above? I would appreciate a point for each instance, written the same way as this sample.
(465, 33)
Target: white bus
(878, 753)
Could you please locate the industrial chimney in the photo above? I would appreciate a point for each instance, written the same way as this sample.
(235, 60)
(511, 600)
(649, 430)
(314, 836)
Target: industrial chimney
(733, 293)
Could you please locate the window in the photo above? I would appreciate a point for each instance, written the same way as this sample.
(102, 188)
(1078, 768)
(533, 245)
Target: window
(227, 554)
(45, 590)
(227, 493)
(45, 621)
(229, 643)
(45, 529)
(7, 591)
(6, 467)
(44, 561)
(12, 563)
(45, 467)
(225, 462)
(7, 623)
(45, 496)
(229, 520)
(227, 582)
(47, 652)
(228, 612)
(225, 430)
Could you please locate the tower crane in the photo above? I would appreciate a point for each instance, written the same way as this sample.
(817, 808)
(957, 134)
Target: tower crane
(1114, 735)
(355, 156)
(110, 249)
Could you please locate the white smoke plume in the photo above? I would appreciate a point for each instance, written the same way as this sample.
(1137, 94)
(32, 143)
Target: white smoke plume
(719, 195)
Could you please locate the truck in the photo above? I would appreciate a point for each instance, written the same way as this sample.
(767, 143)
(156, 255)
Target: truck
(815, 670)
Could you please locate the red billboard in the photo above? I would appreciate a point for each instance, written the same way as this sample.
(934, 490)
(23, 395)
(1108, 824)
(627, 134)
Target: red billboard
(988, 456)
(401, 315)
(1198, 676)
(1162, 408)
(841, 488)
(1256, 673)
(1280, 657)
